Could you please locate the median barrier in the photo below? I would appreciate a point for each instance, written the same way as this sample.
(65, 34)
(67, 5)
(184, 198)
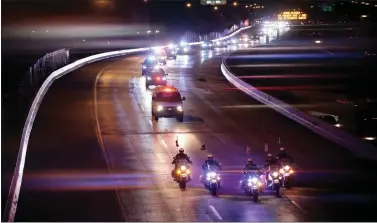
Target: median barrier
(334, 134)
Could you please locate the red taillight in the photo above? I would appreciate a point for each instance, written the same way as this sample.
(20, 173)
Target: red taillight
(158, 78)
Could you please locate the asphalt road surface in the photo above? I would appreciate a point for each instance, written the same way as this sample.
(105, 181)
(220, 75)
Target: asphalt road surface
(96, 155)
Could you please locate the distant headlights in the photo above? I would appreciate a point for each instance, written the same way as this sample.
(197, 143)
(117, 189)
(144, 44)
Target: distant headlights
(159, 108)
(370, 138)
(149, 78)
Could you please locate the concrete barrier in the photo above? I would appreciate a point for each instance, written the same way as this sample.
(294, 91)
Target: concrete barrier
(334, 134)
(13, 196)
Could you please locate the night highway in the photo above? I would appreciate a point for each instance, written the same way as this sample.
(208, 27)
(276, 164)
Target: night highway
(104, 159)
(101, 148)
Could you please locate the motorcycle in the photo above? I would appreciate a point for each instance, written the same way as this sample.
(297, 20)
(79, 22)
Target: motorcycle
(212, 181)
(182, 174)
(274, 180)
(287, 172)
(251, 185)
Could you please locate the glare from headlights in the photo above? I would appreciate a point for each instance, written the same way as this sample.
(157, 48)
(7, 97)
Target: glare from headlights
(370, 138)
(179, 108)
(144, 67)
(156, 67)
(159, 108)
(254, 180)
(164, 78)
(204, 45)
(185, 49)
(318, 41)
(149, 78)
(275, 174)
(211, 174)
(171, 46)
(338, 125)
(281, 171)
(183, 168)
(287, 167)
(152, 58)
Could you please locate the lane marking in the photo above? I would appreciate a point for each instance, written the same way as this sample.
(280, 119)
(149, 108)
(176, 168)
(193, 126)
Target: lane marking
(329, 52)
(162, 141)
(295, 204)
(150, 122)
(213, 209)
(101, 143)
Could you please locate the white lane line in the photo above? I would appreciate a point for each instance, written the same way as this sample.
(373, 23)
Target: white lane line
(295, 204)
(329, 52)
(213, 209)
(100, 140)
(162, 141)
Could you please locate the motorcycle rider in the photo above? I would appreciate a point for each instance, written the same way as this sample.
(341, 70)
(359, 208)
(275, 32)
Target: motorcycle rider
(269, 161)
(210, 162)
(250, 169)
(180, 156)
(283, 155)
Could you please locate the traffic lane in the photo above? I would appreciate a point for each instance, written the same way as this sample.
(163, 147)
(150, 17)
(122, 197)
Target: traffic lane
(139, 146)
(326, 173)
(65, 175)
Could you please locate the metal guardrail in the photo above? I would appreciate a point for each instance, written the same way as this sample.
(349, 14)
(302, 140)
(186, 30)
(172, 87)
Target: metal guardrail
(334, 134)
(11, 205)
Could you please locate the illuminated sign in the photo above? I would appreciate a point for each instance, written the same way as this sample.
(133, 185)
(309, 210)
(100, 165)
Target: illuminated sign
(294, 15)
(212, 2)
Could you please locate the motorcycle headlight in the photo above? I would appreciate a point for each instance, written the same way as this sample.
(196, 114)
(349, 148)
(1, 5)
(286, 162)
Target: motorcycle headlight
(281, 171)
(211, 175)
(149, 78)
(287, 167)
(275, 174)
(179, 108)
(159, 108)
(183, 168)
(164, 78)
(254, 180)
(144, 67)
(171, 46)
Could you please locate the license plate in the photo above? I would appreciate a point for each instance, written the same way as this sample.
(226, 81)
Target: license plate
(276, 181)
(170, 109)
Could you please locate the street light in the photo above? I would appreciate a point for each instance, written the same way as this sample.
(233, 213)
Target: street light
(235, 3)
(188, 5)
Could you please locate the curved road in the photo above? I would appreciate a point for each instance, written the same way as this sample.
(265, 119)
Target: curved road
(96, 155)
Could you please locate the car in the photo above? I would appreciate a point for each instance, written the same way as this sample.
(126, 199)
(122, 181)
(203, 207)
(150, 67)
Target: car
(184, 49)
(150, 63)
(220, 44)
(207, 45)
(160, 55)
(167, 103)
(156, 77)
(171, 51)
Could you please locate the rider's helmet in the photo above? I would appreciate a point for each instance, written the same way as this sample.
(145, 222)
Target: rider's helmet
(210, 156)
(181, 150)
(281, 148)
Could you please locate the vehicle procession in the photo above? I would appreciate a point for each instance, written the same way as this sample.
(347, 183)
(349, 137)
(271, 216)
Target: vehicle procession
(167, 102)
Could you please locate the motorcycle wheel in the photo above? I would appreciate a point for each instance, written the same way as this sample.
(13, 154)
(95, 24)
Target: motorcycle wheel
(277, 191)
(182, 185)
(255, 197)
(214, 190)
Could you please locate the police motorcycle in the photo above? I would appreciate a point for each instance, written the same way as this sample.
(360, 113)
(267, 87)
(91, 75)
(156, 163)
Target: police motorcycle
(286, 170)
(211, 179)
(251, 184)
(274, 178)
(182, 173)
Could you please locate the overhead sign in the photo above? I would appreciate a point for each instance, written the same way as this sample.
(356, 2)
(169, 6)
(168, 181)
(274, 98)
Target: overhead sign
(212, 2)
(293, 15)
